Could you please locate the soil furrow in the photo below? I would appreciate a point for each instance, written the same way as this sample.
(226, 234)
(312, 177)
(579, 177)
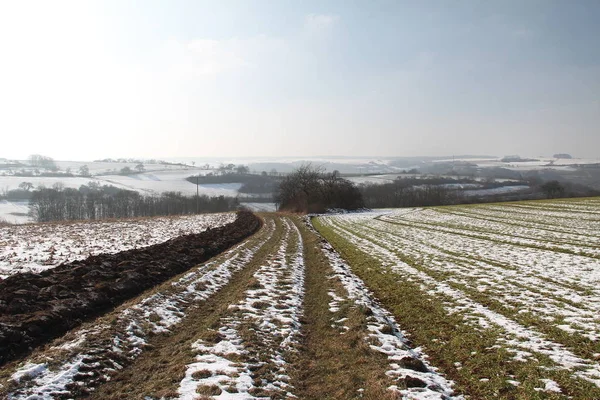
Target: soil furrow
(89, 356)
(35, 308)
(168, 354)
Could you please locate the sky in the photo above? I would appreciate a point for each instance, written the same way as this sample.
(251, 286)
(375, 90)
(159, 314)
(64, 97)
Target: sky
(83, 79)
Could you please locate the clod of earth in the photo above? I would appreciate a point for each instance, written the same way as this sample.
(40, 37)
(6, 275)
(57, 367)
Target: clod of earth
(35, 308)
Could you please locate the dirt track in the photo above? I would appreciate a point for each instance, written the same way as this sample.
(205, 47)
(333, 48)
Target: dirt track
(275, 316)
(35, 308)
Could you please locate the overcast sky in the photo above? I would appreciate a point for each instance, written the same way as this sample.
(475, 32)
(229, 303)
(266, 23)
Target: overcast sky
(84, 79)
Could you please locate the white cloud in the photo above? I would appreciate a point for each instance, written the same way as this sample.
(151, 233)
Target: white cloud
(320, 22)
(199, 58)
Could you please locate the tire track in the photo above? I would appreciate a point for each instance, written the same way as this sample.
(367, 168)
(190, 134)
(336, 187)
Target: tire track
(92, 355)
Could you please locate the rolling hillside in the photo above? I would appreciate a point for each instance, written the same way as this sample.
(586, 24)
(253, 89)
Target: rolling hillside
(478, 301)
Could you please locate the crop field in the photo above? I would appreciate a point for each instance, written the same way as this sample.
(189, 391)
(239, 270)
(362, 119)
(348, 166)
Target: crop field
(461, 302)
(38, 247)
(276, 316)
(504, 298)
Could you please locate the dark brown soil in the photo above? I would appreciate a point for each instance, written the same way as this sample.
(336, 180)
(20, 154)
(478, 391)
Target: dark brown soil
(36, 308)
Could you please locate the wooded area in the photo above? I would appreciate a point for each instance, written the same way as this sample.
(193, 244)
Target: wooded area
(96, 203)
(310, 189)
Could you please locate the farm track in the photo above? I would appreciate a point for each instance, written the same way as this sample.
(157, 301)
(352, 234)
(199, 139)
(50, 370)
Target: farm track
(36, 308)
(277, 316)
(359, 346)
(168, 355)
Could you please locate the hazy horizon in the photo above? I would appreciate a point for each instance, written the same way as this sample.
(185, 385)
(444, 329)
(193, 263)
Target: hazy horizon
(246, 159)
(85, 80)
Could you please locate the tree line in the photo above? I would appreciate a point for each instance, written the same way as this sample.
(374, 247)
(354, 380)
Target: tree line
(408, 193)
(405, 194)
(106, 202)
(37, 160)
(310, 189)
(251, 183)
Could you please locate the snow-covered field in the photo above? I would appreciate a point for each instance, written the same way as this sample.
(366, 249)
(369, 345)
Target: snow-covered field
(12, 182)
(249, 352)
(530, 270)
(168, 181)
(495, 191)
(541, 163)
(271, 310)
(37, 247)
(260, 207)
(390, 178)
(14, 212)
(104, 348)
(148, 183)
(387, 334)
(524, 165)
(93, 167)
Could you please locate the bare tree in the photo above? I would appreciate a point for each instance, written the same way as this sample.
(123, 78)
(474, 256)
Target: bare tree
(95, 202)
(27, 186)
(553, 189)
(242, 169)
(37, 160)
(310, 189)
(84, 170)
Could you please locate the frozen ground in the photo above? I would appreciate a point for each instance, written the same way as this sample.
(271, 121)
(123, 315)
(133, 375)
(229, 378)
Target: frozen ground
(388, 336)
(146, 183)
(13, 182)
(13, 211)
(495, 191)
(150, 183)
(37, 247)
(96, 167)
(390, 178)
(260, 207)
(542, 163)
(168, 181)
(271, 310)
(92, 354)
(516, 267)
(246, 353)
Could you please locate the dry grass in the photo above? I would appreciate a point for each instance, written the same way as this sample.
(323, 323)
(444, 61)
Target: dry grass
(449, 338)
(578, 344)
(202, 374)
(129, 219)
(331, 365)
(169, 354)
(254, 284)
(209, 390)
